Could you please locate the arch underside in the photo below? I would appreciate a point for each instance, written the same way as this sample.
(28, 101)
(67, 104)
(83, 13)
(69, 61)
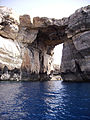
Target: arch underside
(34, 43)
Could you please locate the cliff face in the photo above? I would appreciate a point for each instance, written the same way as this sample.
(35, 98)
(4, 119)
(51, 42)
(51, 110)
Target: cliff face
(75, 64)
(22, 54)
(26, 48)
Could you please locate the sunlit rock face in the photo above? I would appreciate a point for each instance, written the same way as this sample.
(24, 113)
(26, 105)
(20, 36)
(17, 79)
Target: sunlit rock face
(10, 53)
(26, 49)
(8, 24)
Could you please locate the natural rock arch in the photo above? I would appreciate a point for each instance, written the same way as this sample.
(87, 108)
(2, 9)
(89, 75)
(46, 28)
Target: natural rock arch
(33, 44)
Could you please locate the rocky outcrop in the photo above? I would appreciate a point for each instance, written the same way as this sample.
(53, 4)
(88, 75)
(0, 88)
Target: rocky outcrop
(75, 64)
(22, 55)
(26, 48)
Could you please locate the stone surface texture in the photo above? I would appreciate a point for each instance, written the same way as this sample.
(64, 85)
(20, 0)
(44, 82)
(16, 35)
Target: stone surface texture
(75, 64)
(26, 49)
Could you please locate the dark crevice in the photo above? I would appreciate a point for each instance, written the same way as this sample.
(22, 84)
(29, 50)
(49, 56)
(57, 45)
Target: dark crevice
(78, 70)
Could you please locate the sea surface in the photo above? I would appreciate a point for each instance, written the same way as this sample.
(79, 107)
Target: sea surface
(51, 100)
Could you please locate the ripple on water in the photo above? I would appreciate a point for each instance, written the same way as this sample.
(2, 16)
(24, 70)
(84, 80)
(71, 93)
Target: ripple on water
(51, 100)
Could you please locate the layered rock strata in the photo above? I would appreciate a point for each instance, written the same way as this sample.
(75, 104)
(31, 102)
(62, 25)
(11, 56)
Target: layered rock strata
(26, 48)
(75, 64)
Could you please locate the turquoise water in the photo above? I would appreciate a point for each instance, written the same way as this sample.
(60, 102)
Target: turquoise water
(51, 100)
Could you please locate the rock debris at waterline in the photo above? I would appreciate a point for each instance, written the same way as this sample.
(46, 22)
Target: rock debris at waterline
(26, 49)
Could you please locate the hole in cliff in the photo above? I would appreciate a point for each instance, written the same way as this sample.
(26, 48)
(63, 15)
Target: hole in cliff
(57, 55)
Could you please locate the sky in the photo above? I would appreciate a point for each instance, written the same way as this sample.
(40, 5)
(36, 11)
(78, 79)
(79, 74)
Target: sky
(46, 8)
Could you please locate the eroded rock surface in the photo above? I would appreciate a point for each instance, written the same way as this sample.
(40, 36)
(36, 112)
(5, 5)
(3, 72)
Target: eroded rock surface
(26, 48)
(75, 64)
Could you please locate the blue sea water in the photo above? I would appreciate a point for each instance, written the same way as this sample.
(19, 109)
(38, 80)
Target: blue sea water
(51, 100)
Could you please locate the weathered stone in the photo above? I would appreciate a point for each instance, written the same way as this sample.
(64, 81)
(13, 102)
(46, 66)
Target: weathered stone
(25, 21)
(76, 58)
(5, 76)
(79, 21)
(10, 53)
(44, 22)
(26, 49)
(27, 36)
(31, 61)
(82, 42)
(41, 22)
(8, 24)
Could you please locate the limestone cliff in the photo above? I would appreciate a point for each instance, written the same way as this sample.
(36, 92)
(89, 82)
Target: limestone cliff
(22, 54)
(26, 48)
(75, 64)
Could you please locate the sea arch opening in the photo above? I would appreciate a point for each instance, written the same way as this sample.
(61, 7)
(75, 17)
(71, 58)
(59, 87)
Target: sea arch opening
(57, 54)
(56, 62)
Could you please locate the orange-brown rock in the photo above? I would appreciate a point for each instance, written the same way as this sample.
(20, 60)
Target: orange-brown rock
(25, 21)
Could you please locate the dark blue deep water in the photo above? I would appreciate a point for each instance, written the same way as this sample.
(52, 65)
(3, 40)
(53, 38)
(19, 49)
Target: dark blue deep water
(51, 100)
